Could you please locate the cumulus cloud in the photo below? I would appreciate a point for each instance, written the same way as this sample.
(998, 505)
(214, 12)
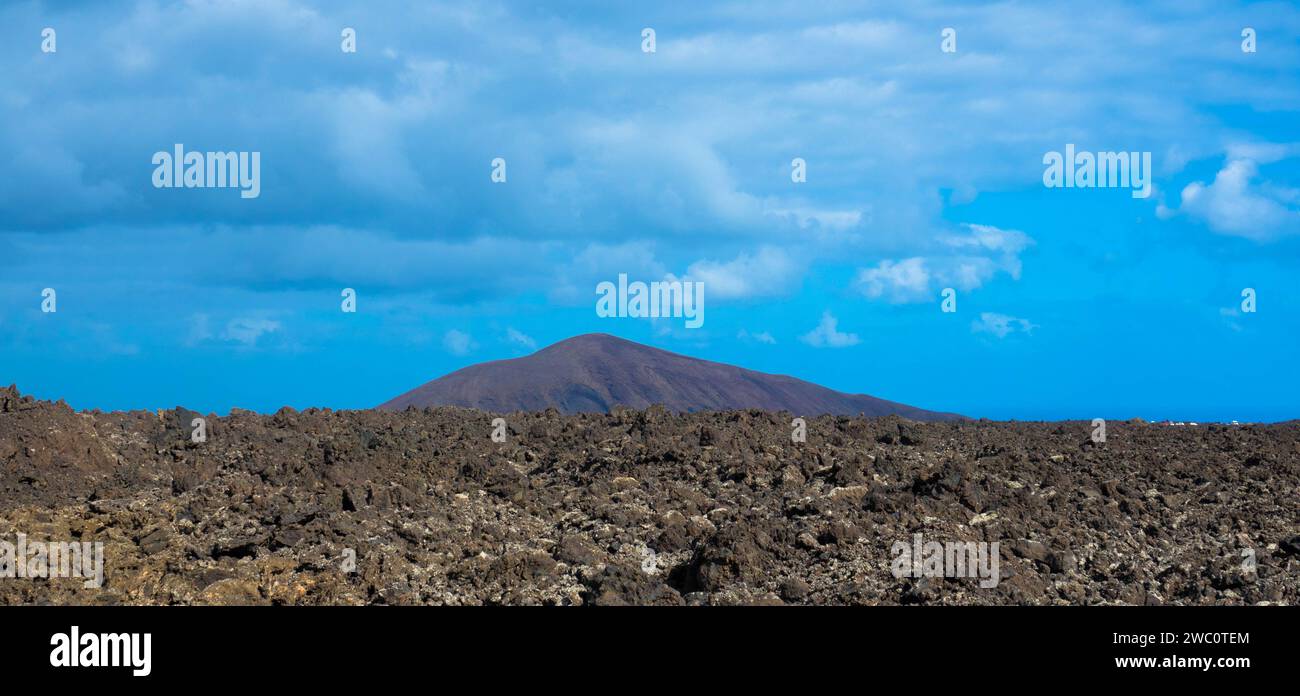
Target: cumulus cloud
(899, 281)
(329, 256)
(1001, 325)
(963, 261)
(758, 337)
(200, 329)
(242, 331)
(357, 137)
(1232, 317)
(769, 272)
(458, 342)
(597, 262)
(376, 163)
(828, 335)
(1234, 204)
(1262, 152)
(247, 330)
(520, 338)
(990, 239)
(808, 218)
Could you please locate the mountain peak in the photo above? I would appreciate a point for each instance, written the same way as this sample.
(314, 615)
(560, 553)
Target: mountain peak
(589, 339)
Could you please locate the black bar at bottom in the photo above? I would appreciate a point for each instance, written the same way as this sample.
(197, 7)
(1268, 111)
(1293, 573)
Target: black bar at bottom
(222, 647)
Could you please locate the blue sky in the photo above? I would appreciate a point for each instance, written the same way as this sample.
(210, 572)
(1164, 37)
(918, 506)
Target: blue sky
(924, 171)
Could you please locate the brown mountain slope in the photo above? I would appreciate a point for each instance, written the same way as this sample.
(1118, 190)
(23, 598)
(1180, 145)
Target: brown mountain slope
(594, 372)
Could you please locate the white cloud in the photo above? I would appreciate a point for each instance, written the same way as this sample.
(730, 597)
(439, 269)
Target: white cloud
(827, 335)
(769, 272)
(807, 217)
(1263, 153)
(1231, 317)
(200, 330)
(599, 262)
(696, 172)
(1233, 205)
(987, 238)
(760, 337)
(520, 338)
(900, 281)
(962, 261)
(1001, 325)
(248, 330)
(458, 342)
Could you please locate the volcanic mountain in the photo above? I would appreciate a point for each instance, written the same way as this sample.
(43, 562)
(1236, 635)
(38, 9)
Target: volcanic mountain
(595, 372)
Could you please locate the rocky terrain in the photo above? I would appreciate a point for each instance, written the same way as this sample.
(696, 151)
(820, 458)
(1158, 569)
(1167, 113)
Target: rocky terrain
(643, 507)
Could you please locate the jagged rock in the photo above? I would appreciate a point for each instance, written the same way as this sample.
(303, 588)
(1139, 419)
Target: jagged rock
(420, 506)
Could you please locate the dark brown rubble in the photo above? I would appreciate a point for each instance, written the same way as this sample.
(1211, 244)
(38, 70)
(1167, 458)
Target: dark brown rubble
(643, 507)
